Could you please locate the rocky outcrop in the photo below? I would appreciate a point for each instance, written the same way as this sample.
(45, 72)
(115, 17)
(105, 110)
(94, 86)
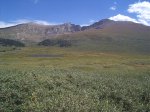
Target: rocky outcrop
(36, 32)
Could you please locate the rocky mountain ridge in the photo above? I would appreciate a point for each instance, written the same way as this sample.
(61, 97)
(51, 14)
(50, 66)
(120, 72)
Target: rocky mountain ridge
(32, 32)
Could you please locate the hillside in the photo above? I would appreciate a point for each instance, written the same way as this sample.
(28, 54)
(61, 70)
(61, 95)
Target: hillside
(107, 35)
(104, 35)
(31, 32)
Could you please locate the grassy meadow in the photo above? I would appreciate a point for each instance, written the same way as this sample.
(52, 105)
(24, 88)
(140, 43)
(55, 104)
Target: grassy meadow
(52, 79)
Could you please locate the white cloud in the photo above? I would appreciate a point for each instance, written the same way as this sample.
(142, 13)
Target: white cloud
(113, 8)
(89, 23)
(4, 24)
(142, 10)
(144, 22)
(22, 21)
(120, 17)
(84, 25)
(43, 22)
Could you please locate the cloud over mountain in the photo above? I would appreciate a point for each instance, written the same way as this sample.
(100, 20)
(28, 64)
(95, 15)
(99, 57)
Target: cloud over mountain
(22, 21)
(120, 17)
(142, 11)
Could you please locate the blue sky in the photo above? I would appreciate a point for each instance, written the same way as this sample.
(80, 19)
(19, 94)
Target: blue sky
(60, 11)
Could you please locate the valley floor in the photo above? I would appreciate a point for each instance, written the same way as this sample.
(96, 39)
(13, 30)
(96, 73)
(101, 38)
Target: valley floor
(46, 79)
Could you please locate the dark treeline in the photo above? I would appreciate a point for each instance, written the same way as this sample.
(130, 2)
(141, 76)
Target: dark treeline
(9, 42)
(56, 42)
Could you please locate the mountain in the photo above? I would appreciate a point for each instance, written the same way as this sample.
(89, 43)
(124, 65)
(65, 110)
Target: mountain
(98, 25)
(111, 36)
(104, 35)
(31, 32)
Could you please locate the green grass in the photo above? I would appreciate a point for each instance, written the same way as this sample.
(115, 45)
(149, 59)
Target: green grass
(7, 48)
(77, 81)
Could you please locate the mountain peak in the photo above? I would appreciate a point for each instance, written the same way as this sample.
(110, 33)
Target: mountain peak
(98, 25)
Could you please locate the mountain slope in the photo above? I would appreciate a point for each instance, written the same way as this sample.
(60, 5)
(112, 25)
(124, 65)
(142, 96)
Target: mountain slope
(98, 25)
(112, 36)
(105, 35)
(32, 32)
